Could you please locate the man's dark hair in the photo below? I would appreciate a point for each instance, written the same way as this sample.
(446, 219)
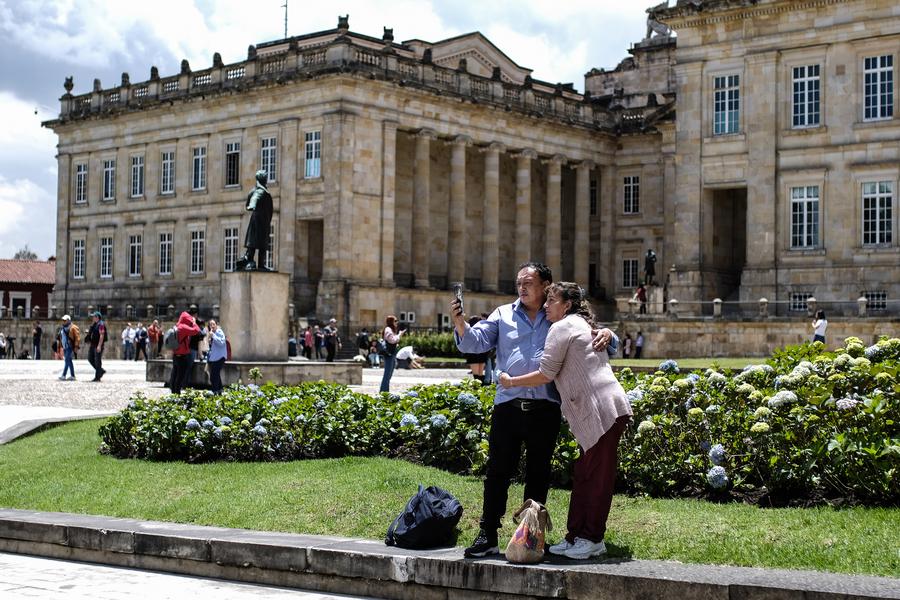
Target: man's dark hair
(542, 270)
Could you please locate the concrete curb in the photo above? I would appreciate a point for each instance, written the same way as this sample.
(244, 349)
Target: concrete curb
(22, 427)
(369, 568)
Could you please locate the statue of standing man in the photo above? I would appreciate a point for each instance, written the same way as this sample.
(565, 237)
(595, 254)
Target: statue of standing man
(259, 201)
(650, 267)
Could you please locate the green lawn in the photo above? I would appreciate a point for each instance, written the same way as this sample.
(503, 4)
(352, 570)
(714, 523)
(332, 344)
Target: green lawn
(59, 469)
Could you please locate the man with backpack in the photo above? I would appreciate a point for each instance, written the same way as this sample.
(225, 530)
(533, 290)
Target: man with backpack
(97, 337)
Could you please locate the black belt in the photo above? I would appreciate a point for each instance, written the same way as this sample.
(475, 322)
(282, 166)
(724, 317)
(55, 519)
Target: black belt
(526, 405)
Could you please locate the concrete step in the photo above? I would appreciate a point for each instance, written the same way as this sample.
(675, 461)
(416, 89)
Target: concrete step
(369, 568)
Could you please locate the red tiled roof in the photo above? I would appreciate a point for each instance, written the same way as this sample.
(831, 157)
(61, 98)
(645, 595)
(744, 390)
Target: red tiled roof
(27, 271)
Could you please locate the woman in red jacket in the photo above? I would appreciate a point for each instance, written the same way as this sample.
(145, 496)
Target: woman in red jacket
(181, 357)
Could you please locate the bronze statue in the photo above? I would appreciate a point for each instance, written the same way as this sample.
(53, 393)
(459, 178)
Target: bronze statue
(260, 202)
(650, 267)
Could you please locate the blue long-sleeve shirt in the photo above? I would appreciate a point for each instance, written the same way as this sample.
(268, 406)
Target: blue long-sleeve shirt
(520, 345)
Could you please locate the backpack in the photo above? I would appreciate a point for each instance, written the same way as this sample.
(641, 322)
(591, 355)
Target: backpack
(427, 521)
(170, 341)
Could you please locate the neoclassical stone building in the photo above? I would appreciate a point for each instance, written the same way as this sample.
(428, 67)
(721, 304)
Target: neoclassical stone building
(747, 155)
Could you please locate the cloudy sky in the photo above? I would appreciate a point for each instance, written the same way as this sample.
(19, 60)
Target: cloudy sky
(43, 41)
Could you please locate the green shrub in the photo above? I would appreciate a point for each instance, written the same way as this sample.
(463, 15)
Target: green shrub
(431, 344)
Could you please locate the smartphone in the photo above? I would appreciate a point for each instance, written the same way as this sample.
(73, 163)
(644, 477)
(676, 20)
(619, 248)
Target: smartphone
(458, 291)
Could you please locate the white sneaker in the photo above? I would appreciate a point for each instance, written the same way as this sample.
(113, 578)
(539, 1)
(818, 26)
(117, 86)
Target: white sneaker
(61, 378)
(583, 549)
(71, 378)
(560, 548)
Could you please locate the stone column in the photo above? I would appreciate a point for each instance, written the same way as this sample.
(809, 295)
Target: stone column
(490, 262)
(388, 199)
(553, 252)
(606, 199)
(456, 265)
(422, 208)
(523, 205)
(582, 221)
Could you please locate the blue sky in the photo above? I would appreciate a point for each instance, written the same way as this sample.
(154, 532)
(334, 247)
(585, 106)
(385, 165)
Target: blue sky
(43, 41)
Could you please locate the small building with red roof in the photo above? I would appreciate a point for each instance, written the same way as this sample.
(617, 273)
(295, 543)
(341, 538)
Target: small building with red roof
(26, 283)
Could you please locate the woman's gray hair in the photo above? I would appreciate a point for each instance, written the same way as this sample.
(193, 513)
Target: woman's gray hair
(568, 291)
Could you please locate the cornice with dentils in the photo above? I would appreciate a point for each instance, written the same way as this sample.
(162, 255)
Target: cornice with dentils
(692, 15)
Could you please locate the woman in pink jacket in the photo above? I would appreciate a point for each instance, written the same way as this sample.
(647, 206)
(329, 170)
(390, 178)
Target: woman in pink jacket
(595, 407)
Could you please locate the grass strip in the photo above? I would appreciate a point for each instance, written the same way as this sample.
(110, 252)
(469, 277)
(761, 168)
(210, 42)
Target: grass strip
(59, 469)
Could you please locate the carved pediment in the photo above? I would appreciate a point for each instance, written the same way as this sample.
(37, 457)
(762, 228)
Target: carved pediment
(480, 54)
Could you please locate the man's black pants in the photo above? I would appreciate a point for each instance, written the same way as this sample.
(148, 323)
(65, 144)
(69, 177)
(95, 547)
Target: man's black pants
(95, 357)
(532, 422)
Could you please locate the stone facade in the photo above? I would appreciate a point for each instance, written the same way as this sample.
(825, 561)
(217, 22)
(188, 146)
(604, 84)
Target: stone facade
(403, 167)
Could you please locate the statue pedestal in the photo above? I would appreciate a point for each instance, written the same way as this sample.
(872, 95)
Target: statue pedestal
(254, 314)
(655, 305)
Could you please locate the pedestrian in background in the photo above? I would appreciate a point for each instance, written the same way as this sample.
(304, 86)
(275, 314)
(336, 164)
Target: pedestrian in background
(218, 352)
(36, 333)
(97, 338)
(154, 336)
(639, 345)
(182, 365)
(391, 336)
(820, 324)
(308, 341)
(68, 339)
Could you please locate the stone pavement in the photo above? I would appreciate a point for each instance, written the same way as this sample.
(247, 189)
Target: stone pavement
(30, 577)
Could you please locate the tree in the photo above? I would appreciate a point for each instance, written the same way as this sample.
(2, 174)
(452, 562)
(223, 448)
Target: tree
(25, 253)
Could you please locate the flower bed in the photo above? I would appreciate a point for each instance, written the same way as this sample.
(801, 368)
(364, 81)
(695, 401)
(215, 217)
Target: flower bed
(807, 426)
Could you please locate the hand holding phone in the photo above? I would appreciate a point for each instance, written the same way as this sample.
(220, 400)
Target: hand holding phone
(458, 292)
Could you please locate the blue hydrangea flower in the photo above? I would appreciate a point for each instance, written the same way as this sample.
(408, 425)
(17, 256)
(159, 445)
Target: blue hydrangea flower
(439, 421)
(192, 424)
(320, 405)
(289, 437)
(409, 420)
(300, 419)
(412, 394)
(668, 366)
(712, 409)
(278, 401)
(224, 421)
(847, 403)
(208, 424)
(704, 445)
(717, 454)
(467, 399)
(132, 404)
(264, 422)
(259, 430)
(717, 477)
(688, 404)
(693, 378)
(417, 404)
(472, 435)
(395, 397)
(198, 444)
(217, 432)
(252, 387)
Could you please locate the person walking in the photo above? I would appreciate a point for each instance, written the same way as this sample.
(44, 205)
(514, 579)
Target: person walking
(128, 342)
(332, 340)
(319, 340)
(638, 345)
(37, 333)
(391, 336)
(595, 407)
(155, 338)
(641, 295)
(69, 339)
(97, 338)
(218, 352)
(820, 324)
(140, 342)
(529, 416)
(182, 365)
(308, 341)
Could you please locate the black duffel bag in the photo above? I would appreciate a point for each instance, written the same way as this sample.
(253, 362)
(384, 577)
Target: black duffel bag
(427, 521)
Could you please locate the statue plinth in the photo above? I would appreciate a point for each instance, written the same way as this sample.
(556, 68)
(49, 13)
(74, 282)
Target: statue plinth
(254, 314)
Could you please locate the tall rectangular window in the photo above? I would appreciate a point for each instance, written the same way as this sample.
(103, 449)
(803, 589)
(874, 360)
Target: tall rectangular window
(632, 195)
(805, 216)
(726, 104)
(268, 157)
(232, 164)
(81, 179)
(877, 213)
(231, 248)
(630, 273)
(167, 173)
(165, 253)
(106, 257)
(270, 257)
(806, 96)
(135, 255)
(137, 176)
(878, 89)
(77, 259)
(198, 237)
(593, 197)
(313, 154)
(109, 179)
(198, 174)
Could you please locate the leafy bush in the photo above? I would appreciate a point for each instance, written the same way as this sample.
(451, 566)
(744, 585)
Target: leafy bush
(432, 344)
(809, 426)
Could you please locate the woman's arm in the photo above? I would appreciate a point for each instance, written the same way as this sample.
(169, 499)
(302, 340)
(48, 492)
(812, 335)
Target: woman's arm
(533, 379)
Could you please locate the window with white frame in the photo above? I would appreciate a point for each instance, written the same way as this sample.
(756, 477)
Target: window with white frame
(798, 301)
(81, 181)
(726, 104)
(630, 273)
(198, 174)
(106, 257)
(805, 216)
(270, 257)
(877, 300)
(78, 259)
(313, 154)
(231, 249)
(232, 164)
(109, 179)
(167, 172)
(877, 213)
(632, 195)
(806, 91)
(198, 241)
(137, 176)
(165, 253)
(593, 197)
(135, 254)
(878, 87)
(268, 157)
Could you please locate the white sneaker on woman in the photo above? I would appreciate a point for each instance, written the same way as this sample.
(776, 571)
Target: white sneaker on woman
(560, 548)
(583, 549)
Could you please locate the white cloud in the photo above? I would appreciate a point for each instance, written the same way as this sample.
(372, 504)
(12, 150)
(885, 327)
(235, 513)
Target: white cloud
(24, 205)
(21, 134)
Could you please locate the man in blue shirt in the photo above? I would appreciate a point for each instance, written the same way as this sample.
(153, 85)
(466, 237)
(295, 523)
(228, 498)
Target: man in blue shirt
(529, 415)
